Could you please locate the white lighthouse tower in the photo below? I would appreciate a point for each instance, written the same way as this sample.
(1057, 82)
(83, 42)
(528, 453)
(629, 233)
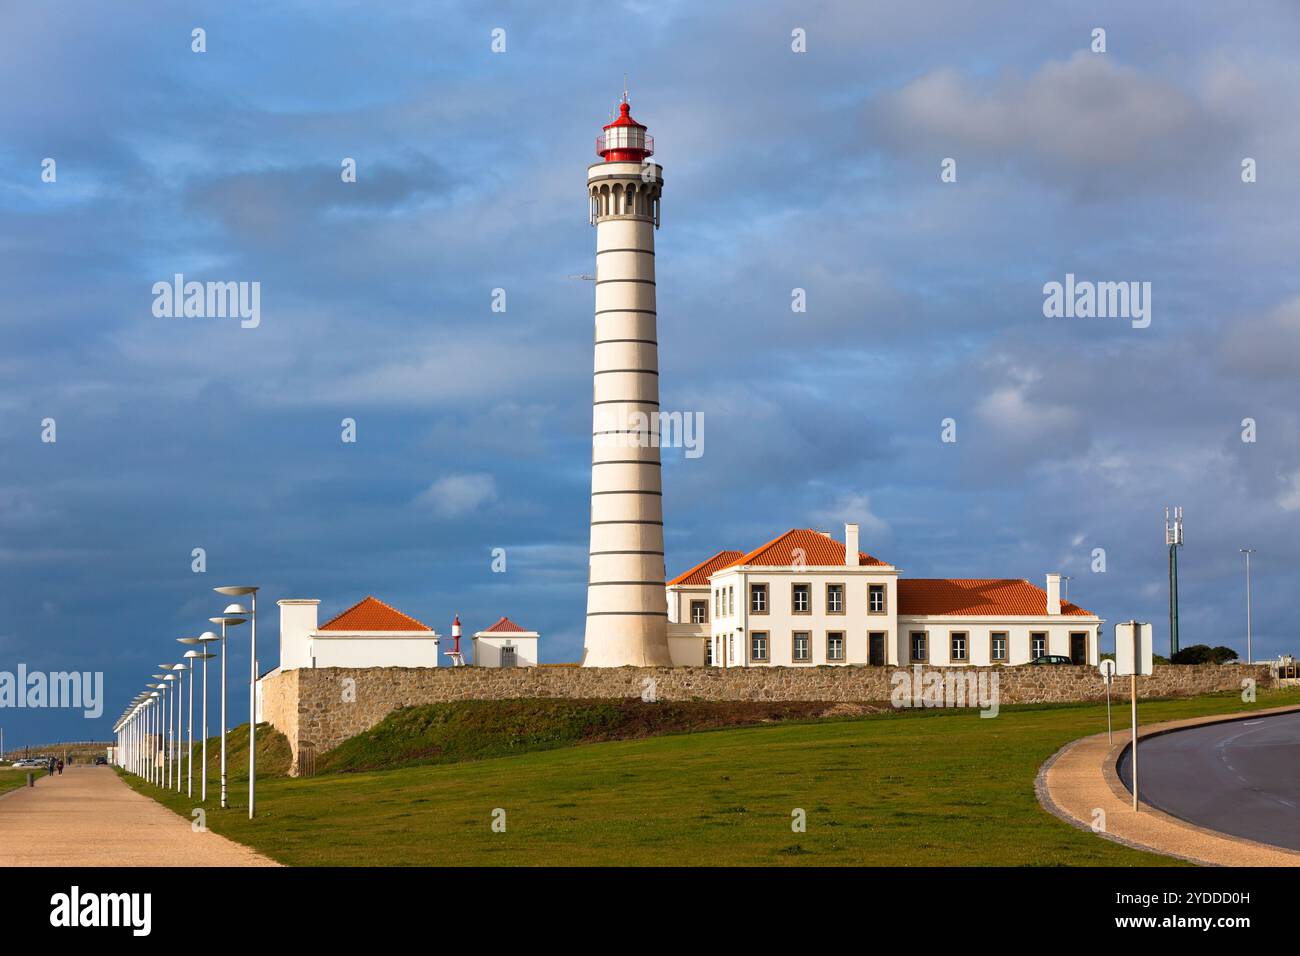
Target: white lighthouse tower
(626, 604)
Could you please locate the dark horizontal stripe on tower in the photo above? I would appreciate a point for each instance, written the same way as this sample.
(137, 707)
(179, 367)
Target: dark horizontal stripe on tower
(601, 584)
(648, 252)
(640, 341)
(631, 461)
(626, 401)
(641, 371)
(598, 553)
(628, 613)
(594, 493)
(637, 281)
(639, 311)
(627, 522)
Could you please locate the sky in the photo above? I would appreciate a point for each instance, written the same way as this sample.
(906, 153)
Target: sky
(817, 170)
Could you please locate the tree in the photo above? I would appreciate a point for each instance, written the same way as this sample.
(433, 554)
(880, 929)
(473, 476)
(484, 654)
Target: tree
(1204, 654)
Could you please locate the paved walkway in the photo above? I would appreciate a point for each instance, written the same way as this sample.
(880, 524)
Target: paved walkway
(89, 817)
(1082, 779)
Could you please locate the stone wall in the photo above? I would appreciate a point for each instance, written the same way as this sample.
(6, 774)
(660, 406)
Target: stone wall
(319, 708)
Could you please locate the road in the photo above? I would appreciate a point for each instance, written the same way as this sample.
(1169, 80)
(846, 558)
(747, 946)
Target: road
(89, 817)
(1241, 777)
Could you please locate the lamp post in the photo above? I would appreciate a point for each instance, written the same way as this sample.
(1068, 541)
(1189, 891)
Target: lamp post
(1248, 552)
(161, 718)
(239, 591)
(232, 617)
(203, 640)
(189, 729)
(159, 697)
(180, 670)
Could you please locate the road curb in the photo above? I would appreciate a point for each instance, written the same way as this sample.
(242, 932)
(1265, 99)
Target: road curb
(1081, 779)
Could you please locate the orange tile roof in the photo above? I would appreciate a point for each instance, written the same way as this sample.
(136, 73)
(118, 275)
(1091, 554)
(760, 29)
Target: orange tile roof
(976, 597)
(505, 624)
(817, 550)
(372, 614)
(700, 573)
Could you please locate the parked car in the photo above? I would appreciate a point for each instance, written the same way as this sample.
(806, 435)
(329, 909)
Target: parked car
(101, 761)
(1052, 659)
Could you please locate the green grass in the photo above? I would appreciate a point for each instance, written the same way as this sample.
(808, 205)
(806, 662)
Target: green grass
(906, 789)
(11, 779)
(479, 729)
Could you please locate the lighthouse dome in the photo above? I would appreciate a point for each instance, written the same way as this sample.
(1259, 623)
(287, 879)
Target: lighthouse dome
(624, 140)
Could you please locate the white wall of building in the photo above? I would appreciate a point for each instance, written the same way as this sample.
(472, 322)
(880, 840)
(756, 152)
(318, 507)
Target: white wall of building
(298, 621)
(488, 646)
(374, 649)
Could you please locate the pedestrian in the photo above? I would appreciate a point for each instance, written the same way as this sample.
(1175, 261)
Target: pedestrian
(60, 766)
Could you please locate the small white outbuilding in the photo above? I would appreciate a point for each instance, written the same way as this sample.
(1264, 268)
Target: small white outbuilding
(505, 644)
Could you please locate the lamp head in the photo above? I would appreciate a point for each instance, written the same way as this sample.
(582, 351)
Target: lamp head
(236, 590)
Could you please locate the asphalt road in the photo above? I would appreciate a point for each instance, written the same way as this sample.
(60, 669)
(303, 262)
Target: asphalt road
(1241, 777)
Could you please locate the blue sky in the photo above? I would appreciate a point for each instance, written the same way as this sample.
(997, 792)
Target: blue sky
(817, 170)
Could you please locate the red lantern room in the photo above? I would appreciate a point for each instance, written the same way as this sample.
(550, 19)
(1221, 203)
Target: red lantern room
(624, 140)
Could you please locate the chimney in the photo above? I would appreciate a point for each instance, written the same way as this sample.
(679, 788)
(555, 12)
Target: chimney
(851, 545)
(297, 625)
(1053, 594)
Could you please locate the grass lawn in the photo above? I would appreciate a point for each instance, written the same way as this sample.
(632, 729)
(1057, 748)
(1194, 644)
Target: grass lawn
(11, 779)
(902, 789)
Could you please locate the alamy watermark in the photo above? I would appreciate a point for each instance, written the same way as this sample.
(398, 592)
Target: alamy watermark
(1084, 299)
(82, 690)
(208, 300)
(622, 429)
(945, 687)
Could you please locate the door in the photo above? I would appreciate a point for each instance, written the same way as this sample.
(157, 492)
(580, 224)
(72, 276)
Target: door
(1078, 648)
(508, 657)
(876, 649)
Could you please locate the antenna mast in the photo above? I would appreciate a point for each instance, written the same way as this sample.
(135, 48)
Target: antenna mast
(1174, 539)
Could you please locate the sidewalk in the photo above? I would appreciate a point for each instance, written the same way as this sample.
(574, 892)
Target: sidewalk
(89, 817)
(1080, 780)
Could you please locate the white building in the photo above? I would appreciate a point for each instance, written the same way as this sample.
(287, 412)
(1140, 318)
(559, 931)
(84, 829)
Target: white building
(797, 601)
(368, 634)
(505, 644)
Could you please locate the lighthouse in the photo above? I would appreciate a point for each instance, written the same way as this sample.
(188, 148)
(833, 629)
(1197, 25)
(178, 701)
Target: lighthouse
(627, 608)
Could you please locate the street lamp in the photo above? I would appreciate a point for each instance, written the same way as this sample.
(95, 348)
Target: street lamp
(189, 731)
(1248, 552)
(203, 640)
(230, 618)
(163, 714)
(159, 697)
(239, 591)
(180, 670)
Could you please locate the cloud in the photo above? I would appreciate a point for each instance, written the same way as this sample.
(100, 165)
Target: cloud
(1265, 347)
(1088, 122)
(456, 495)
(855, 507)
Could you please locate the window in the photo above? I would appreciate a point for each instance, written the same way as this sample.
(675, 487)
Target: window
(758, 646)
(801, 598)
(699, 612)
(731, 647)
(731, 600)
(802, 650)
(917, 641)
(758, 598)
(834, 599)
(708, 653)
(876, 599)
(998, 646)
(835, 646)
(957, 646)
(1037, 644)
(717, 603)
